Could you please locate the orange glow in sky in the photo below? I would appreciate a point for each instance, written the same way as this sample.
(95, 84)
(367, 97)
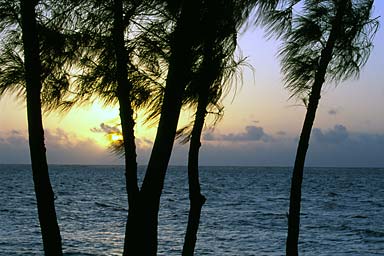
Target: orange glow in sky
(261, 101)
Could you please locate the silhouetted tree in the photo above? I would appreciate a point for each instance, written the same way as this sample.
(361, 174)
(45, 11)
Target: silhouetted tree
(179, 72)
(204, 93)
(209, 83)
(57, 52)
(329, 41)
(205, 79)
(107, 57)
(44, 194)
(35, 63)
(184, 41)
(214, 65)
(123, 93)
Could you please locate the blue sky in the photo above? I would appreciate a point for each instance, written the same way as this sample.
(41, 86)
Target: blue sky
(260, 127)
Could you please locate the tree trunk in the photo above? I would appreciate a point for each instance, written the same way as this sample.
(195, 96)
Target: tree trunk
(178, 76)
(196, 199)
(161, 152)
(297, 176)
(43, 189)
(124, 88)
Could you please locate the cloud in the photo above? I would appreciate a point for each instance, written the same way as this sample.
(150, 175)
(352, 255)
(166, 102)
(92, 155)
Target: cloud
(333, 112)
(65, 147)
(337, 134)
(336, 146)
(209, 136)
(272, 153)
(340, 147)
(62, 148)
(13, 147)
(252, 133)
(108, 129)
(143, 145)
(15, 132)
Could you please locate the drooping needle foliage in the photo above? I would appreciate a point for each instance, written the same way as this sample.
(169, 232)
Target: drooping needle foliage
(325, 41)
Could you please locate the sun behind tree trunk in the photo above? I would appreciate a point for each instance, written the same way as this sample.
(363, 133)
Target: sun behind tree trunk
(123, 91)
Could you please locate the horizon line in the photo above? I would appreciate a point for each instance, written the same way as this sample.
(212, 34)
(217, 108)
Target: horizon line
(207, 165)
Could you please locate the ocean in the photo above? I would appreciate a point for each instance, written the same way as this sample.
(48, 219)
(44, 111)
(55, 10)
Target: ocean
(245, 213)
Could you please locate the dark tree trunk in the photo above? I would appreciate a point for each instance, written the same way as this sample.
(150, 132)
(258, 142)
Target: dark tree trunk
(124, 88)
(178, 76)
(161, 152)
(196, 199)
(297, 176)
(43, 189)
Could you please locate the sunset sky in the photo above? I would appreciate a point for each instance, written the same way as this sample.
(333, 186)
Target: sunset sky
(260, 127)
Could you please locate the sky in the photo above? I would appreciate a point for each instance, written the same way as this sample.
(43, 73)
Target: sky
(260, 127)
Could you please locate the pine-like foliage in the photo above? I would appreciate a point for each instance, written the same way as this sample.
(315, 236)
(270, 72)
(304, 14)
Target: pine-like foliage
(57, 50)
(308, 35)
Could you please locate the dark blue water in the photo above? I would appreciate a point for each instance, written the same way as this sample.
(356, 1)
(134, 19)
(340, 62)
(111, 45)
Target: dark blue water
(245, 214)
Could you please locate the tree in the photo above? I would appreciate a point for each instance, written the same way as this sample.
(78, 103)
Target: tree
(213, 65)
(108, 70)
(123, 93)
(43, 189)
(56, 50)
(205, 79)
(34, 63)
(184, 41)
(204, 93)
(214, 73)
(329, 41)
(180, 64)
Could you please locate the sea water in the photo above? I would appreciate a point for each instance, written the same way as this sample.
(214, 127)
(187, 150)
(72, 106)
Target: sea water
(245, 212)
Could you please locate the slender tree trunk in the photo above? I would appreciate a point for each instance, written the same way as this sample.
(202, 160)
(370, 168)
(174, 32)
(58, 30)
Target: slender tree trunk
(297, 176)
(124, 88)
(43, 189)
(178, 76)
(196, 199)
(161, 152)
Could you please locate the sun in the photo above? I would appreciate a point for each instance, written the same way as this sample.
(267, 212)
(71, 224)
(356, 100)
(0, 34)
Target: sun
(114, 137)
